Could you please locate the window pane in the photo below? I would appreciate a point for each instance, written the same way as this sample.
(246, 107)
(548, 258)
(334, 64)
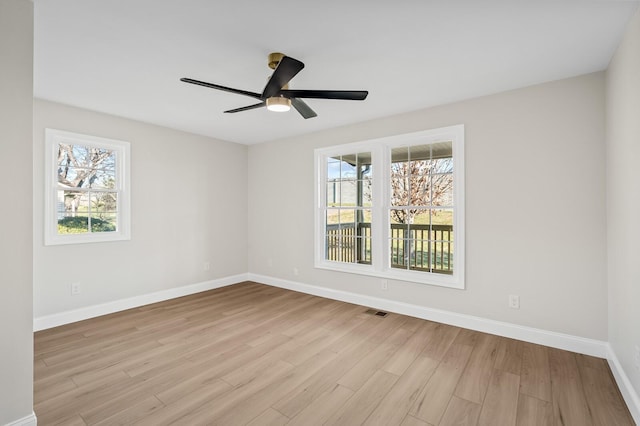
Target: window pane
(399, 155)
(106, 222)
(422, 239)
(102, 202)
(365, 216)
(332, 245)
(80, 156)
(442, 217)
(367, 195)
(349, 193)
(442, 257)
(82, 177)
(333, 235)
(349, 180)
(365, 176)
(333, 193)
(397, 237)
(398, 250)
(364, 248)
(348, 245)
(442, 165)
(347, 217)
(442, 190)
(442, 234)
(367, 170)
(442, 150)
(422, 175)
(348, 168)
(399, 218)
(400, 184)
(419, 194)
(348, 235)
(419, 232)
(89, 156)
(333, 168)
(74, 202)
(72, 212)
(103, 179)
(420, 167)
(70, 176)
(399, 190)
(420, 152)
(73, 225)
(341, 243)
(418, 217)
(420, 254)
(333, 217)
(363, 232)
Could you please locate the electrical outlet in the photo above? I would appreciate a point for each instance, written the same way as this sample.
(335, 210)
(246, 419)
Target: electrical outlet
(384, 285)
(270, 263)
(514, 301)
(206, 266)
(296, 272)
(637, 357)
(75, 288)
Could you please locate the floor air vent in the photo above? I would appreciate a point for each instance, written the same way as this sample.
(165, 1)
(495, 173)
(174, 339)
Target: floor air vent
(376, 313)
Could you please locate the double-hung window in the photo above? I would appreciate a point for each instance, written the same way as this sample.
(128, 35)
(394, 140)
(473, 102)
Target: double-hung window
(393, 207)
(87, 188)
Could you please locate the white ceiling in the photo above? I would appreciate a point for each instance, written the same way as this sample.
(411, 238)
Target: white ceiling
(125, 57)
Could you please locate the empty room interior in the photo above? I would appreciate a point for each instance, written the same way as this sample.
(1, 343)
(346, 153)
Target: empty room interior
(270, 213)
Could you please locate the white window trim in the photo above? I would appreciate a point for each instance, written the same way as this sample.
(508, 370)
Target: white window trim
(51, 237)
(380, 151)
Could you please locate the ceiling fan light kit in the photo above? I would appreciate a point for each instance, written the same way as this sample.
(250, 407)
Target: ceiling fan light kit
(277, 96)
(278, 104)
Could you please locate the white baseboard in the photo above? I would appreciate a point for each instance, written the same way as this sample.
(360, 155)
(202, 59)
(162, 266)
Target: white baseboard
(29, 420)
(528, 334)
(54, 320)
(628, 392)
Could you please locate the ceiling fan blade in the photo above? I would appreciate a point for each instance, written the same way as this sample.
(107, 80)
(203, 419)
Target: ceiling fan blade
(226, 89)
(304, 109)
(287, 69)
(352, 95)
(247, 108)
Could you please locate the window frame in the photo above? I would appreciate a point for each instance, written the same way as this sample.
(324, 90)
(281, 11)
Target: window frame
(53, 138)
(380, 150)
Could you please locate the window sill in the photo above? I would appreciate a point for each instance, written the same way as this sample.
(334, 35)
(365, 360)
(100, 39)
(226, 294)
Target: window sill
(428, 278)
(53, 240)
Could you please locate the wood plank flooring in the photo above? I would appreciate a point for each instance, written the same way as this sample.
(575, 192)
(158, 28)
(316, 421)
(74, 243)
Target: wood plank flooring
(251, 354)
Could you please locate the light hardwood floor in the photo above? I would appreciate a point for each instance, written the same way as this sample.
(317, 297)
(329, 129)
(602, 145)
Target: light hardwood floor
(259, 355)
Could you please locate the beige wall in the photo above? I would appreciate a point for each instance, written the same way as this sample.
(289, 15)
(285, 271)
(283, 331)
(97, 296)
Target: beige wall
(623, 199)
(189, 206)
(535, 211)
(16, 98)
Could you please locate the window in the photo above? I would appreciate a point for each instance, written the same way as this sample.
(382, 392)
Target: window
(87, 188)
(348, 208)
(394, 207)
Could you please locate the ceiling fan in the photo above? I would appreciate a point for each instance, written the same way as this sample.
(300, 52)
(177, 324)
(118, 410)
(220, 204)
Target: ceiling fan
(277, 96)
